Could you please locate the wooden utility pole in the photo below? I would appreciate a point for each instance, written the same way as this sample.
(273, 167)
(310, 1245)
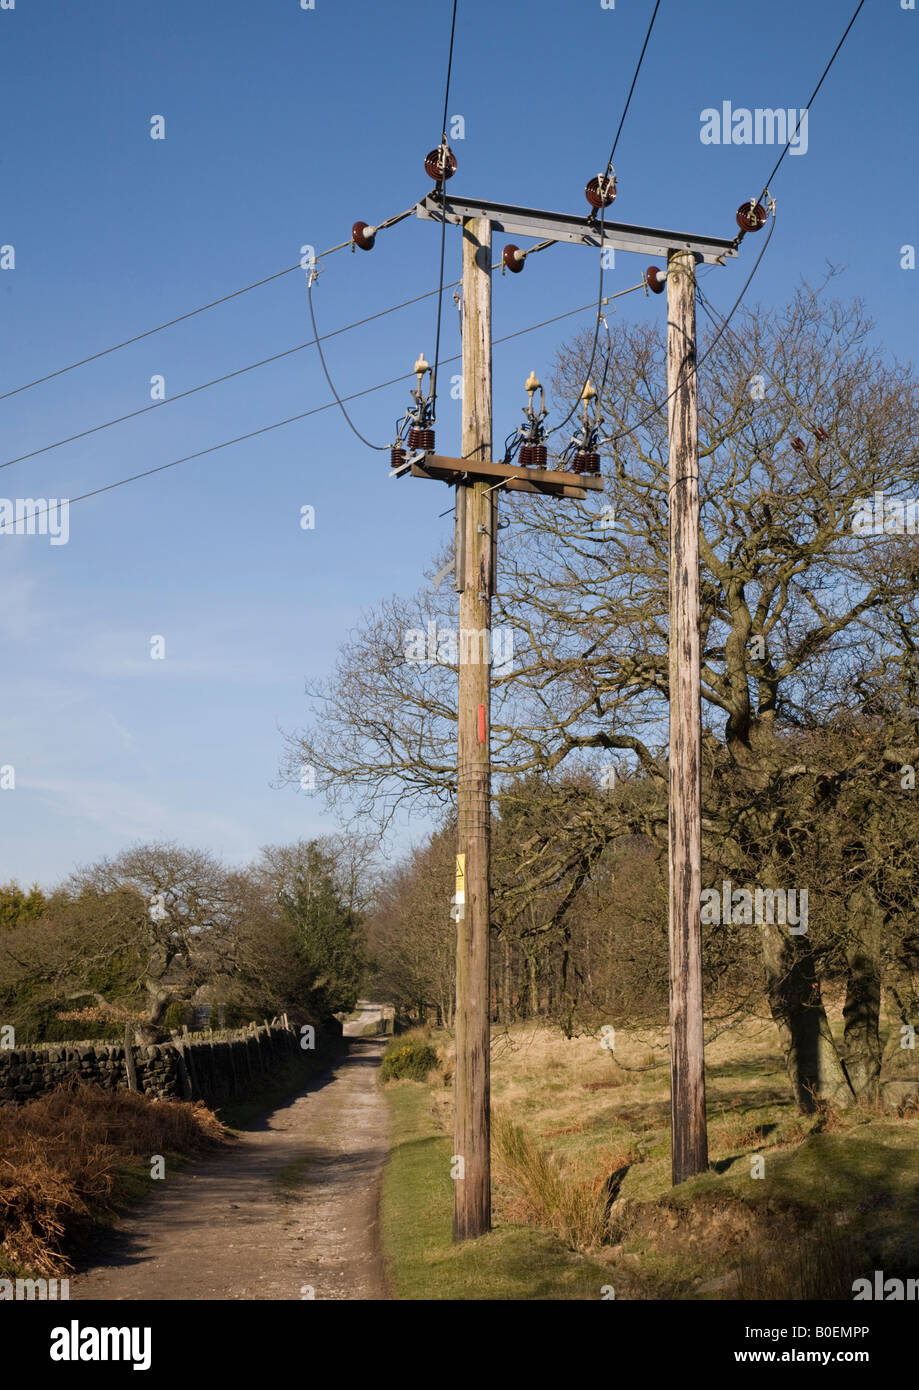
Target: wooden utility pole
(476, 536)
(477, 477)
(687, 1064)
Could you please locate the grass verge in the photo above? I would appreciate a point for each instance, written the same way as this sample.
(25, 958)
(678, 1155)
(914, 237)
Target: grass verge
(512, 1262)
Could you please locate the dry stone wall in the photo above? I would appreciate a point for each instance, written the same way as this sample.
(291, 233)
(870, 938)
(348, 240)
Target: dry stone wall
(216, 1067)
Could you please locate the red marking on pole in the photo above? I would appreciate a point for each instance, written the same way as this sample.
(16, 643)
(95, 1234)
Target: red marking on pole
(481, 723)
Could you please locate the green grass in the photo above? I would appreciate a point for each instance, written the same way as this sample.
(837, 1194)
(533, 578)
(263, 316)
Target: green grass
(512, 1262)
(838, 1197)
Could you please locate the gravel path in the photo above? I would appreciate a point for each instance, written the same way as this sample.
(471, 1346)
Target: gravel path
(289, 1207)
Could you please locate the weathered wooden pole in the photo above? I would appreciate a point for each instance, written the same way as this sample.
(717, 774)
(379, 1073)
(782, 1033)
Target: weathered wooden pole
(687, 1062)
(476, 531)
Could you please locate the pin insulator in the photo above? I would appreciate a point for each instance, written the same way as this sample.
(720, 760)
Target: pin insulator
(798, 444)
(751, 218)
(396, 456)
(421, 439)
(513, 259)
(586, 462)
(526, 455)
(601, 192)
(654, 279)
(440, 164)
(540, 456)
(820, 433)
(363, 235)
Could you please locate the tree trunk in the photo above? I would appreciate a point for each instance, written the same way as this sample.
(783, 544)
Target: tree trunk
(534, 986)
(863, 994)
(813, 1064)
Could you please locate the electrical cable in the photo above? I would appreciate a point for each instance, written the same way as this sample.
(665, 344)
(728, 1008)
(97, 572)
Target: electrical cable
(609, 162)
(309, 299)
(94, 357)
(443, 224)
(228, 376)
(740, 236)
(612, 439)
(251, 366)
(813, 96)
(316, 410)
(593, 350)
(715, 319)
(609, 165)
(170, 323)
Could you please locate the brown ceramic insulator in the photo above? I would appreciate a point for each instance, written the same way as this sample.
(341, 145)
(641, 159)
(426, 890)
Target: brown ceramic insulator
(751, 219)
(594, 196)
(421, 439)
(440, 164)
(510, 260)
(360, 238)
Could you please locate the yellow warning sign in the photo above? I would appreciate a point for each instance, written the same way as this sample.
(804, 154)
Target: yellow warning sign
(461, 878)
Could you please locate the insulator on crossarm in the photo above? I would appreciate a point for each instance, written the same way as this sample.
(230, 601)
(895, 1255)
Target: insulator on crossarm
(419, 418)
(798, 444)
(513, 258)
(533, 452)
(751, 216)
(601, 191)
(440, 164)
(363, 235)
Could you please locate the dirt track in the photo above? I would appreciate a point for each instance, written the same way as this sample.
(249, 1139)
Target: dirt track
(291, 1205)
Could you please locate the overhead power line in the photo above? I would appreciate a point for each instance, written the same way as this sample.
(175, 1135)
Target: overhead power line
(443, 225)
(609, 166)
(628, 100)
(316, 410)
(812, 97)
(724, 324)
(170, 323)
(216, 381)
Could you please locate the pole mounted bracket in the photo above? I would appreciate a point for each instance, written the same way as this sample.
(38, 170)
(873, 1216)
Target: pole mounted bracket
(553, 482)
(583, 231)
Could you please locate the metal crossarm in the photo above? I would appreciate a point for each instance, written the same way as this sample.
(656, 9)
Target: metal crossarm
(559, 226)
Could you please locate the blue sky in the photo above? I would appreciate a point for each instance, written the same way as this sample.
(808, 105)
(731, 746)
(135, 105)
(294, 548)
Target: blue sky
(283, 126)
